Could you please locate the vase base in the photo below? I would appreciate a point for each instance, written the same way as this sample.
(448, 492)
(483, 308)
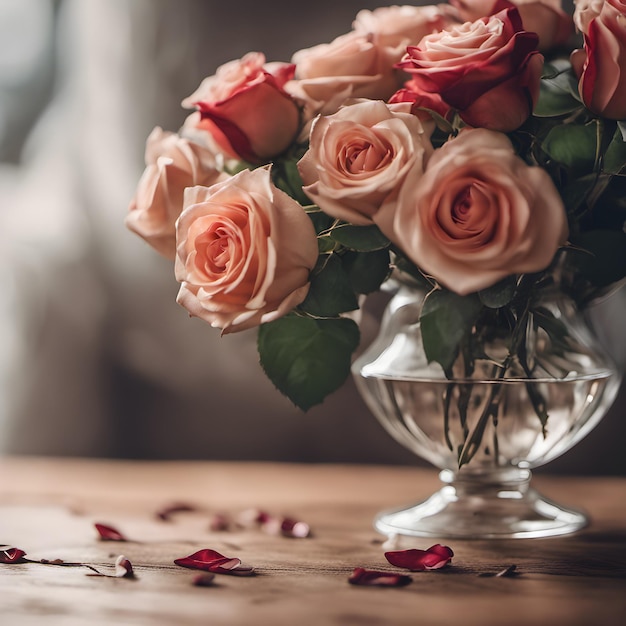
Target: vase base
(504, 514)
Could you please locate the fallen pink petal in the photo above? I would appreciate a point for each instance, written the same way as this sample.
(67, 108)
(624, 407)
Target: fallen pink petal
(123, 567)
(212, 561)
(109, 533)
(168, 511)
(204, 580)
(435, 557)
(374, 578)
(294, 528)
(11, 555)
(219, 522)
(253, 517)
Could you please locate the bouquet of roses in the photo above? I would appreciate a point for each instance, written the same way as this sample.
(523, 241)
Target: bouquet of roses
(467, 145)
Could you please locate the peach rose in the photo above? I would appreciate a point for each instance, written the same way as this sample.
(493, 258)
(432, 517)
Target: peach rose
(394, 28)
(246, 109)
(351, 66)
(359, 156)
(245, 252)
(601, 66)
(172, 163)
(478, 214)
(488, 70)
(544, 17)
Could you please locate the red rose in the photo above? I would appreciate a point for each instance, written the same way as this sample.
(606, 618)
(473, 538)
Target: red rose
(488, 70)
(246, 109)
(601, 66)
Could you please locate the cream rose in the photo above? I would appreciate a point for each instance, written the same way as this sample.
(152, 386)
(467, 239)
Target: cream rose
(544, 17)
(478, 214)
(394, 28)
(359, 156)
(245, 252)
(351, 66)
(172, 163)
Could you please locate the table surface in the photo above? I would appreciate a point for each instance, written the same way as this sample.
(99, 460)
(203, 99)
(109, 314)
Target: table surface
(48, 508)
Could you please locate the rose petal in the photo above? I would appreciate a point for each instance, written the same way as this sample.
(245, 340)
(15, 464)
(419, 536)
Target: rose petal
(123, 567)
(219, 522)
(212, 561)
(293, 528)
(373, 578)
(108, 533)
(435, 557)
(253, 517)
(166, 512)
(287, 527)
(11, 555)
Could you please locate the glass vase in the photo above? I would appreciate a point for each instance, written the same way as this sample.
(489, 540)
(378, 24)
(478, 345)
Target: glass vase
(487, 428)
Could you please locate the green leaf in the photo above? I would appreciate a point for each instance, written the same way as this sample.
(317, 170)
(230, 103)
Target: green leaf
(572, 146)
(500, 294)
(576, 192)
(622, 129)
(405, 266)
(559, 91)
(445, 320)
(603, 257)
(321, 221)
(286, 176)
(331, 291)
(367, 270)
(305, 358)
(361, 238)
(615, 156)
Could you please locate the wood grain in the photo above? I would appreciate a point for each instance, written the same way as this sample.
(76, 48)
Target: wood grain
(48, 508)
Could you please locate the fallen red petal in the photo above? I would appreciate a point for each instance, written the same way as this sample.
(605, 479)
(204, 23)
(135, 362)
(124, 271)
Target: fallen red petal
(11, 556)
(123, 567)
(212, 561)
(374, 578)
(435, 557)
(168, 511)
(108, 533)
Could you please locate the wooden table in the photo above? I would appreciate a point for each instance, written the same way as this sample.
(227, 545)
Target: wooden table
(48, 508)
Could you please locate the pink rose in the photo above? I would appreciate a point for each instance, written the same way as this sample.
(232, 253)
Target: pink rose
(544, 17)
(585, 11)
(172, 163)
(245, 251)
(359, 156)
(351, 66)
(488, 70)
(478, 214)
(394, 28)
(601, 66)
(246, 108)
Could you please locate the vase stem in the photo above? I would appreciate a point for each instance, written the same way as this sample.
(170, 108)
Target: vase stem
(497, 503)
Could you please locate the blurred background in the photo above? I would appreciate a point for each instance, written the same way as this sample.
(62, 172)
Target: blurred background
(96, 358)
